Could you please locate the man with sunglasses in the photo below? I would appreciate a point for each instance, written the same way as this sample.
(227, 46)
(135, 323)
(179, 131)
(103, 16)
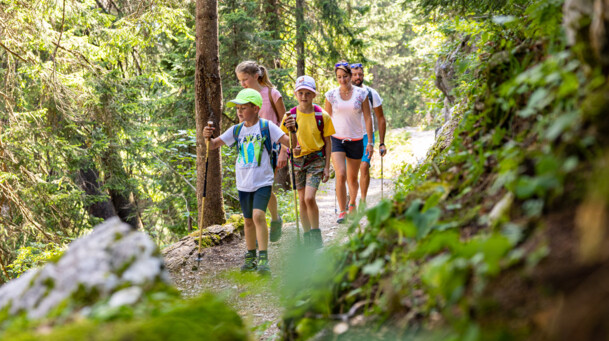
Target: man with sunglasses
(379, 123)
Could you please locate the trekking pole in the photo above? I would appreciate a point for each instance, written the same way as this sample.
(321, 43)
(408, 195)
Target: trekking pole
(382, 180)
(201, 215)
(293, 180)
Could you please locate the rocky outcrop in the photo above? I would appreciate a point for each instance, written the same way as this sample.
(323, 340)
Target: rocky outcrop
(586, 22)
(445, 74)
(177, 255)
(114, 262)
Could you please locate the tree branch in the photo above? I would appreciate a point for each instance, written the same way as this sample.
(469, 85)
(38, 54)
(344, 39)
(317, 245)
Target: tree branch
(13, 53)
(75, 53)
(63, 18)
(173, 170)
(101, 6)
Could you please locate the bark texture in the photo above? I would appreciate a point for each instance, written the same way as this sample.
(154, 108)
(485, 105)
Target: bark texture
(208, 106)
(300, 38)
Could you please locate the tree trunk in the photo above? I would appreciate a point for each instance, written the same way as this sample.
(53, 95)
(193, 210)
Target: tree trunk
(272, 25)
(120, 190)
(88, 180)
(208, 107)
(300, 38)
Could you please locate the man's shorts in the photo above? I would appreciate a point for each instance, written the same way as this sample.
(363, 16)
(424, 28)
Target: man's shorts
(352, 149)
(258, 199)
(366, 157)
(309, 170)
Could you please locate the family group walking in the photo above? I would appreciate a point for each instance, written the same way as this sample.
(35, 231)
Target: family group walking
(311, 136)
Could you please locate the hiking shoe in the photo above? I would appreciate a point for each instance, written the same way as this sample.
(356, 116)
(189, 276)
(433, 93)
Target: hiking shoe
(276, 229)
(263, 267)
(351, 208)
(317, 241)
(341, 217)
(250, 263)
(307, 239)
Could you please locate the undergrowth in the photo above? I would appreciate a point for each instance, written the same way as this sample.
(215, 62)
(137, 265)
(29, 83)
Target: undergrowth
(523, 150)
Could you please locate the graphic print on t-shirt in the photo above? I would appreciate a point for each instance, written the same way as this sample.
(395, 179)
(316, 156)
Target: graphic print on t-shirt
(250, 151)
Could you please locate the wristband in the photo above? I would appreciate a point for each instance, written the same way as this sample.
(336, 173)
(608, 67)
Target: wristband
(371, 144)
(381, 144)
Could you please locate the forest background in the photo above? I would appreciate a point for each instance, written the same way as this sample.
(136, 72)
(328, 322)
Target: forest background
(501, 233)
(97, 103)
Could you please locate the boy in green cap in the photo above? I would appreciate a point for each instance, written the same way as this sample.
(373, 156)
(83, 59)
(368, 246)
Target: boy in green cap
(253, 170)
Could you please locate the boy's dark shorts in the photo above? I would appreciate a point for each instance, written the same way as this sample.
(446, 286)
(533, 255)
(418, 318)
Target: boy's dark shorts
(352, 149)
(309, 170)
(251, 200)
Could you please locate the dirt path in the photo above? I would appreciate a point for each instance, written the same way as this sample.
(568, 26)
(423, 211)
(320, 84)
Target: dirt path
(257, 299)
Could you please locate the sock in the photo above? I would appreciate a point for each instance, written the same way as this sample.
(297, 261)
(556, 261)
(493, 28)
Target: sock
(263, 254)
(252, 252)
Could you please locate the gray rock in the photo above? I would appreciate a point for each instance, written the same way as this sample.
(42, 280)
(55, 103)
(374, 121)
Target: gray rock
(125, 297)
(93, 268)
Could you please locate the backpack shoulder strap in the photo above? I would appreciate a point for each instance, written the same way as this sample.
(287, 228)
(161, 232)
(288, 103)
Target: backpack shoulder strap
(319, 118)
(236, 132)
(370, 99)
(266, 133)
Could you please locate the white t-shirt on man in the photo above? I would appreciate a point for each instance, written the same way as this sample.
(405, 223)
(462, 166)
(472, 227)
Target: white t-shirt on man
(253, 167)
(377, 101)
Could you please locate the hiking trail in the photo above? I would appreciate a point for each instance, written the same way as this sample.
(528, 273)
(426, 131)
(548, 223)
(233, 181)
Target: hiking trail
(258, 301)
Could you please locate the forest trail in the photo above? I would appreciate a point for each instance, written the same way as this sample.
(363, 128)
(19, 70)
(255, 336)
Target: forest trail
(258, 300)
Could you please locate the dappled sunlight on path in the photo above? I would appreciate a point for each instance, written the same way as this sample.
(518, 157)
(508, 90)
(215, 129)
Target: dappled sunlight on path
(257, 300)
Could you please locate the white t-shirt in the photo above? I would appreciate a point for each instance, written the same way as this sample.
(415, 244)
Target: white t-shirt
(377, 101)
(253, 167)
(267, 111)
(347, 115)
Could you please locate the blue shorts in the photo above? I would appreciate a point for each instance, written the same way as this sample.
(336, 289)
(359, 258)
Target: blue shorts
(366, 157)
(352, 149)
(251, 200)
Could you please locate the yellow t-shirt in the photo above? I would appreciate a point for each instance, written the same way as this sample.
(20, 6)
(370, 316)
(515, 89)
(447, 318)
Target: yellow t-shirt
(308, 135)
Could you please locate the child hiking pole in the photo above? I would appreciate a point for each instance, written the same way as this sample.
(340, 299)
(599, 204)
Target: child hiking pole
(293, 180)
(382, 180)
(201, 215)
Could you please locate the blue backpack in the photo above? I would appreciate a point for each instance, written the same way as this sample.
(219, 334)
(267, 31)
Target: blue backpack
(266, 138)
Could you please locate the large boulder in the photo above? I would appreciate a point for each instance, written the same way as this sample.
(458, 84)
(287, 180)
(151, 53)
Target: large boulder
(113, 262)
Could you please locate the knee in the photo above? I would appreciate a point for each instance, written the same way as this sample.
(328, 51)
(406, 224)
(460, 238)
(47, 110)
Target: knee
(364, 168)
(310, 201)
(259, 215)
(341, 175)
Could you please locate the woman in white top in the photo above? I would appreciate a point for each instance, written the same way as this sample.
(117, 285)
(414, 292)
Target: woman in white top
(251, 75)
(347, 104)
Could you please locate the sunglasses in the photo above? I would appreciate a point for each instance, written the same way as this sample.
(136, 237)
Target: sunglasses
(341, 64)
(357, 65)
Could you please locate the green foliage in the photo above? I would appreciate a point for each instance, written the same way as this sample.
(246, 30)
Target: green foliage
(30, 257)
(164, 318)
(522, 142)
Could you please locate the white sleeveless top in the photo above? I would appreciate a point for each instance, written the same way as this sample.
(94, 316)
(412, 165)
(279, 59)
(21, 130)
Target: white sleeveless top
(347, 115)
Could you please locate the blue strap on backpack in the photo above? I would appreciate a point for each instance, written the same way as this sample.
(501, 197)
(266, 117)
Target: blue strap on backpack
(319, 119)
(266, 138)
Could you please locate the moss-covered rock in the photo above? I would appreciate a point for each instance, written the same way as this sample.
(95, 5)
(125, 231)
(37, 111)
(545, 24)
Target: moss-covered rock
(177, 254)
(204, 318)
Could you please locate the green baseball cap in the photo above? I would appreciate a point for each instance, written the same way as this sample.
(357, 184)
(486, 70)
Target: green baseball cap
(246, 96)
